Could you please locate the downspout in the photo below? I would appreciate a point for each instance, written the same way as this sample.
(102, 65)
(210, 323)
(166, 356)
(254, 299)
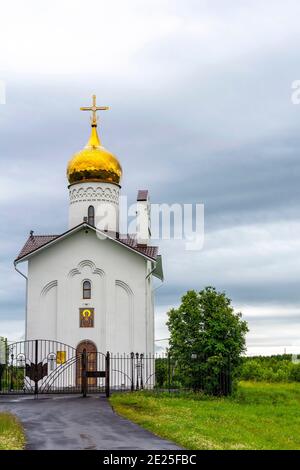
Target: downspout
(149, 274)
(147, 307)
(26, 295)
(147, 311)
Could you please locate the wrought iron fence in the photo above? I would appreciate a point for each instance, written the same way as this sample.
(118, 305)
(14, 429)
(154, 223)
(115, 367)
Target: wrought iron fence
(45, 366)
(212, 375)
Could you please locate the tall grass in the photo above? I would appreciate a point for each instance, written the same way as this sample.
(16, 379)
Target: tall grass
(11, 433)
(258, 416)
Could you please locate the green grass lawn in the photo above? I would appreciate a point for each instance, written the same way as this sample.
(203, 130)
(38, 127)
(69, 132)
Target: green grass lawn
(11, 433)
(259, 416)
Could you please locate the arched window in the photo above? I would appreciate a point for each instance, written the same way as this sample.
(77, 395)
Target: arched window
(91, 215)
(87, 290)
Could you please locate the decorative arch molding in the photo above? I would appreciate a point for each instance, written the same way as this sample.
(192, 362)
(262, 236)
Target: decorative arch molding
(126, 288)
(46, 319)
(99, 271)
(73, 272)
(94, 193)
(86, 264)
(83, 264)
(48, 287)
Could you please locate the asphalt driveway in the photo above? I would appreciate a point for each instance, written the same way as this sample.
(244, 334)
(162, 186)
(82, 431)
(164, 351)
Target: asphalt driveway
(71, 422)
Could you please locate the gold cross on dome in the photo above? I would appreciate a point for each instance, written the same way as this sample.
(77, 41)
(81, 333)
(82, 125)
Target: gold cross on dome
(94, 108)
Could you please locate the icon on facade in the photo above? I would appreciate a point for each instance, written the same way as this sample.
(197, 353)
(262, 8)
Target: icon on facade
(86, 317)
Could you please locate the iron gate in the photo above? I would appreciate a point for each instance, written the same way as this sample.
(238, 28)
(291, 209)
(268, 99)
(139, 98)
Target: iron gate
(46, 366)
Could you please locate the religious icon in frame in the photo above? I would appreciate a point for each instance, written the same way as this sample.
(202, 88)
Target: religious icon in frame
(86, 317)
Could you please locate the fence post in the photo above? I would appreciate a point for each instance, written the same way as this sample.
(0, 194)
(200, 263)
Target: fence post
(141, 371)
(83, 373)
(11, 372)
(137, 370)
(169, 372)
(36, 389)
(1, 373)
(3, 359)
(132, 371)
(107, 374)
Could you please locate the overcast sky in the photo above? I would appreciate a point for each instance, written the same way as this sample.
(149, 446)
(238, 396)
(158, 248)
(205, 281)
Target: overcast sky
(201, 111)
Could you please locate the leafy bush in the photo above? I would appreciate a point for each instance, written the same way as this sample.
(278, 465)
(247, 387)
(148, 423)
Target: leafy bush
(207, 339)
(270, 369)
(295, 373)
(161, 371)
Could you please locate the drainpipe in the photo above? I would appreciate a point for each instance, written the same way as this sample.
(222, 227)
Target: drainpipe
(149, 274)
(26, 295)
(147, 309)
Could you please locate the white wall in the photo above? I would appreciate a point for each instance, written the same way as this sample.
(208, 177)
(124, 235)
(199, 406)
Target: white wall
(143, 229)
(121, 295)
(103, 196)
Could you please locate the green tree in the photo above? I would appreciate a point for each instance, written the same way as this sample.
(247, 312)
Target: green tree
(207, 339)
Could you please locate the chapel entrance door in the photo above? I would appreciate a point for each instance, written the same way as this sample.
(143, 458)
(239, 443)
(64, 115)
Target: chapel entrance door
(91, 355)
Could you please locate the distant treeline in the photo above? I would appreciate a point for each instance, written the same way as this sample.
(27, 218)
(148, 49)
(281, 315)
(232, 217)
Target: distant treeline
(279, 368)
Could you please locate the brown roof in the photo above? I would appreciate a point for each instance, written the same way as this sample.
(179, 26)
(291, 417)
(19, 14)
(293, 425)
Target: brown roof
(142, 195)
(150, 251)
(34, 242)
(37, 241)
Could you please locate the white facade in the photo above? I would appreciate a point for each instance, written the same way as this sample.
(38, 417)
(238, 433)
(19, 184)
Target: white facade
(119, 305)
(121, 293)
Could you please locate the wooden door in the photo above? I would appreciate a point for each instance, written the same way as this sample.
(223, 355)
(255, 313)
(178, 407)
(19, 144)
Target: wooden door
(91, 354)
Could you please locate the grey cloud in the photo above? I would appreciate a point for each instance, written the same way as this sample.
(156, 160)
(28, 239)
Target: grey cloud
(191, 120)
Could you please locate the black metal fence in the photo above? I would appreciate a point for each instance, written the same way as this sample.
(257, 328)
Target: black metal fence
(45, 366)
(164, 372)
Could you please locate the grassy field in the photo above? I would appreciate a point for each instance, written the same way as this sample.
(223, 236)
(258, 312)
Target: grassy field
(11, 433)
(259, 416)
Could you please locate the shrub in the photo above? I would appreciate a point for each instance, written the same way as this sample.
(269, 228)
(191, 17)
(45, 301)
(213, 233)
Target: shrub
(270, 369)
(207, 339)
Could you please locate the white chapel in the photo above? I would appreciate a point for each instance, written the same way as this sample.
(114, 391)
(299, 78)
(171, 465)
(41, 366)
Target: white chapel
(93, 284)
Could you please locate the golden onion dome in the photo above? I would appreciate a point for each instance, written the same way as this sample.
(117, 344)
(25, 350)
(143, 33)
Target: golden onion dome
(94, 162)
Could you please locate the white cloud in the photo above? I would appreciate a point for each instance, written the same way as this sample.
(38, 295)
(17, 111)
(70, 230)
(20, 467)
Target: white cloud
(240, 254)
(99, 37)
(273, 330)
(75, 36)
(12, 329)
(200, 95)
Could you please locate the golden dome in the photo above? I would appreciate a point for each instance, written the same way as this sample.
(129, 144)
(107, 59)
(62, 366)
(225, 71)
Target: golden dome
(94, 162)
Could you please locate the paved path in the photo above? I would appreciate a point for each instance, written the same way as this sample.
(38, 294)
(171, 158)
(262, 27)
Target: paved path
(72, 422)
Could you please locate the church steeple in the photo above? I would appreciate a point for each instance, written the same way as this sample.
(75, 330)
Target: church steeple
(94, 176)
(94, 162)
